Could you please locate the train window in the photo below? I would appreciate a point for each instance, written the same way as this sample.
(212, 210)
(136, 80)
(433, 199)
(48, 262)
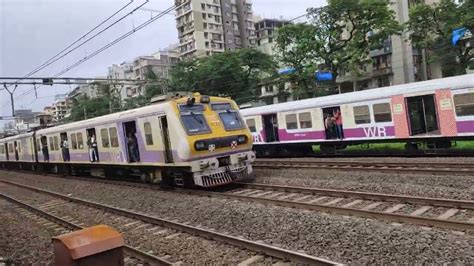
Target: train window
(382, 112)
(56, 143)
(221, 106)
(2, 149)
(305, 120)
(38, 144)
(291, 121)
(73, 141)
(251, 125)
(113, 137)
(231, 120)
(191, 108)
(104, 135)
(195, 123)
(80, 141)
(148, 134)
(361, 114)
(464, 104)
(10, 148)
(51, 143)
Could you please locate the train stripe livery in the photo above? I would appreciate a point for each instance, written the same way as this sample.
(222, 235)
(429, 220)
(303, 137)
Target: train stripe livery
(186, 141)
(435, 111)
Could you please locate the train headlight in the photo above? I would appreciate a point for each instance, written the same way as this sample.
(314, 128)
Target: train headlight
(242, 139)
(200, 145)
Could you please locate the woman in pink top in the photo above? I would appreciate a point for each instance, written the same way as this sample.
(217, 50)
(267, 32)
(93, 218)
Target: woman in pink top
(338, 117)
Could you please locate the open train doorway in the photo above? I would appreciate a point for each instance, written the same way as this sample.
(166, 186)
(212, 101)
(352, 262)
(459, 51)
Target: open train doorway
(166, 140)
(6, 152)
(270, 126)
(130, 131)
(333, 122)
(15, 147)
(92, 144)
(422, 115)
(64, 146)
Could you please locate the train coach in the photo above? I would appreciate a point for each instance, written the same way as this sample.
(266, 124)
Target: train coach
(430, 114)
(184, 141)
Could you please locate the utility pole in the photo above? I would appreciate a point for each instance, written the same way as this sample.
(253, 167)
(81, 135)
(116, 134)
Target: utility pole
(11, 96)
(85, 113)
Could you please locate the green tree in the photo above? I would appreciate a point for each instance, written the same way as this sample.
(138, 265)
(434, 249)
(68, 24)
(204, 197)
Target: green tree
(85, 108)
(233, 73)
(431, 28)
(295, 46)
(338, 36)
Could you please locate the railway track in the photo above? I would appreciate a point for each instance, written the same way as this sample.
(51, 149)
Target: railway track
(409, 167)
(125, 218)
(434, 212)
(133, 256)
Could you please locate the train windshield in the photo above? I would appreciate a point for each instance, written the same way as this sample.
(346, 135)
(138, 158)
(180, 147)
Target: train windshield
(231, 120)
(195, 123)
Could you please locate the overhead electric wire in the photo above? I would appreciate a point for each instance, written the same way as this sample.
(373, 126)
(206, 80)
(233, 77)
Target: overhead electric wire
(87, 40)
(105, 47)
(48, 62)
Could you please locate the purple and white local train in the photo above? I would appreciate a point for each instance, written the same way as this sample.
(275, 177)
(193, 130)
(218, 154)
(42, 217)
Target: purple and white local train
(434, 112)
(186, 141)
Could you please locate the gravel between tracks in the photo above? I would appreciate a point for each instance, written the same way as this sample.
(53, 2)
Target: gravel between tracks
(22, 240)
(350, 240)
(167, 242)
(423, 185)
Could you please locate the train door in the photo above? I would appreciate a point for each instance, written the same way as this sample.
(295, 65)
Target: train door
(168, 153)
(422, 115)
(6, 152)
(15, 146)
(330, 120)
(33, 148)
(64, 146)
(270, 127)
(93, 145)
(130, 132)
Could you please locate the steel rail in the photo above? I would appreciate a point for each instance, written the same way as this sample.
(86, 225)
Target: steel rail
(146, 257)
(441, 202)
(390, 217)
(269, 250)
(428, 167)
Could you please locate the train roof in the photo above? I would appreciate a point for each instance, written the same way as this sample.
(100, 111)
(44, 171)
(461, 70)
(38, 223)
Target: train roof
(107, 119)
(365, 95)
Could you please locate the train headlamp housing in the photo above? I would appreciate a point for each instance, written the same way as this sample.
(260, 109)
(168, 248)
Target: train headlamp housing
(205, 99)
(242, 139)
(200, 145)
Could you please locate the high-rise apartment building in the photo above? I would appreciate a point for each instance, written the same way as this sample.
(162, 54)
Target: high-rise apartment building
(397, 62)
(213, 26)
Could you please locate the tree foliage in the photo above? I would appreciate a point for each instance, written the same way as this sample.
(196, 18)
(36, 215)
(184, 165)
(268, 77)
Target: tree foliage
(85, 108)
(232, 73)
(431, 28)
(338, 36)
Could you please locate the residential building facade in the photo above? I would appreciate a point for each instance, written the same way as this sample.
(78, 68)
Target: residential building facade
(60, 107)
(213, 26)
(266, 30)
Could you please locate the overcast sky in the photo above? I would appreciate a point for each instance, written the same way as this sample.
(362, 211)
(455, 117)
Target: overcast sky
(32, 31)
